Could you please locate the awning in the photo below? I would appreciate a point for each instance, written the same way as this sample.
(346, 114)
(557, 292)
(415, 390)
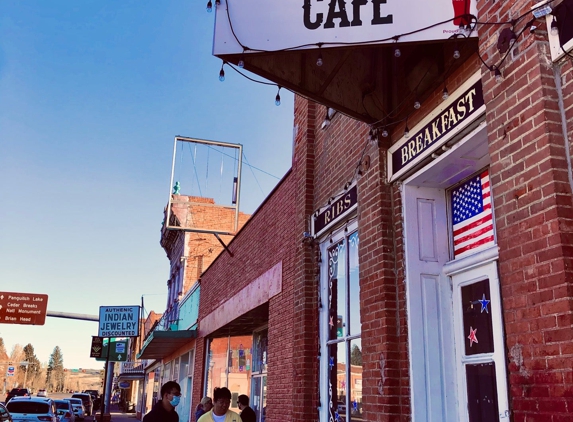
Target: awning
(131, 376)
(162, 343)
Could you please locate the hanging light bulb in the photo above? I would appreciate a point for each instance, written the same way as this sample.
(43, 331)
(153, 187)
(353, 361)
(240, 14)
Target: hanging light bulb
(384, 133)
(397, 52)
(278, 97)
(241, 63)
(222, 73)
(319, 60)
(209, 6)
(554, 28)
(217, 2)
(498, 75)
(445, 93)
(417, 104)
(457, 53)
(406, 131)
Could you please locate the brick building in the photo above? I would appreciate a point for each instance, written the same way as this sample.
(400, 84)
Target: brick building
(415, 264)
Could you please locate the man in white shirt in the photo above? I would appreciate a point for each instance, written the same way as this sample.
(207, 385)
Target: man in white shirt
(220, 411)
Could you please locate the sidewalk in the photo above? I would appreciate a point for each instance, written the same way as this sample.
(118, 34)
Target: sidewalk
(118, 416)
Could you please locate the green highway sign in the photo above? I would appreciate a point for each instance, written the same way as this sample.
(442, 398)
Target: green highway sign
(118, 351)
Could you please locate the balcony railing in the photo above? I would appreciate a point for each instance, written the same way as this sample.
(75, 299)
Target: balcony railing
(133, 367)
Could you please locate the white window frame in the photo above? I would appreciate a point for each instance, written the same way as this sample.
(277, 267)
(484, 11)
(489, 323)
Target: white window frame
(325, 243)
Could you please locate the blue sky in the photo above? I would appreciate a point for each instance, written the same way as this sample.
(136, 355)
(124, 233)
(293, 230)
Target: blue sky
(91, 96)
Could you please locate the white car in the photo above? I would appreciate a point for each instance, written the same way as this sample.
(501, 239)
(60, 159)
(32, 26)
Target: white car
(32, 409)
(78, 406)
(42, 393)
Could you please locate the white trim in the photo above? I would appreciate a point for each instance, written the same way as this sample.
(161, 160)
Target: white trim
(477, 259)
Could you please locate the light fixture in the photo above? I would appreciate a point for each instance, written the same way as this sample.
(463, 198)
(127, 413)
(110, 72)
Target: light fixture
(397, 52)
(445, 93)
(456, 53)
(554, 28)
(384, 133)
(406, 131)
(209, 6)
(241, 63)
(498, 75)
(217, 2)
(326, 121)
(417, 104)
(319, 60)
(222, 73)
(278, 97)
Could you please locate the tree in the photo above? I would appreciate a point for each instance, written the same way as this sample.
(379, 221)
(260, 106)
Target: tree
(3, 352)
(32, 370)
(16, 357)
(55, 375)
(356, 355)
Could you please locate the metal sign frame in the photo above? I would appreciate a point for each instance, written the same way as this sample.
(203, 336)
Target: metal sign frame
(172, 197)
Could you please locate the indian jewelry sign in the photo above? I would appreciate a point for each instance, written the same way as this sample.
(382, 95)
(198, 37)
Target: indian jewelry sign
(456, 113)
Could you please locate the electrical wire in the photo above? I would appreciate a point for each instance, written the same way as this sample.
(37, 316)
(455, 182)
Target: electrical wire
(256, 168)
(257, 180)
(195, 169)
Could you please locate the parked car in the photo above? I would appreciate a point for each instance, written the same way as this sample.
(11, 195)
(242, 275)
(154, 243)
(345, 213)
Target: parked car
(78, 408)
(87, 400)
(33, 409)
(93, 393)
(42, 393)
(65, 411)
(5, 416)
(17, 392)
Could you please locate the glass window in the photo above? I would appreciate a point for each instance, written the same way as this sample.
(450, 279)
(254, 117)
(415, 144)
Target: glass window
(229, 365)
(259, 358)
(184, 367)
(341, 347)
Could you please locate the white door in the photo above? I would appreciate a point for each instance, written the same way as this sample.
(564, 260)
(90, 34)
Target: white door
(429, 306)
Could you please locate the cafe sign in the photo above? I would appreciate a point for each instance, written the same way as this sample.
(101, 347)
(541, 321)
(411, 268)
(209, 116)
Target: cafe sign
(335, 211)
(275, 25)
(464, 106)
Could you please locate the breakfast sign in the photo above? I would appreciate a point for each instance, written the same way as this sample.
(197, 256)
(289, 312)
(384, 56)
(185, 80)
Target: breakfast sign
(296, 24)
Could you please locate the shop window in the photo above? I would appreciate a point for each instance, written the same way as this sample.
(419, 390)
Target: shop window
(229, 365)
(340, 327)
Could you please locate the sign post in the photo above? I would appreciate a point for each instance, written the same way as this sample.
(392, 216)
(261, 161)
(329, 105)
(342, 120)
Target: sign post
(116, 321)
(23, 308)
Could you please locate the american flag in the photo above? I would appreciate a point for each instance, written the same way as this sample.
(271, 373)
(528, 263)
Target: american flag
(472, 217)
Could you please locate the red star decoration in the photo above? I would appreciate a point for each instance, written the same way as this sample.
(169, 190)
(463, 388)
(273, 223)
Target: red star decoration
(472, 336)
(331, 323)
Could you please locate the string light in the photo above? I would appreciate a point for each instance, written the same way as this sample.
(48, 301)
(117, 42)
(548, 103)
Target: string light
(406, 131)
(498, 75)
(457, 54)
(241, 63)
(222, 73)
(209, 6)
(554, 28)
(319, 60)
(278, 97)
(217, 3)
(397, 53)
(445, 93)
(384, 133)
(417, 104)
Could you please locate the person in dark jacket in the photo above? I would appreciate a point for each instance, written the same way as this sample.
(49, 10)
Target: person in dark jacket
(203, 407)
(164, 409)
(247, 414)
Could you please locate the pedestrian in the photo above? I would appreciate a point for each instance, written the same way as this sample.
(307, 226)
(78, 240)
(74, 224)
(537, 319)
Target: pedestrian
(164, 409)
(247, 414)
(220, 411)
(203, 407)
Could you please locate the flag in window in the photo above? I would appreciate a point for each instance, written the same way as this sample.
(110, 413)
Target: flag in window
(472, 216)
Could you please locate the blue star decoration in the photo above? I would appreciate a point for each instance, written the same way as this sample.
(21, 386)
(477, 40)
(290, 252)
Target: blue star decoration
(355, 405)
(484, 302)
(331, 364)
(336, 415)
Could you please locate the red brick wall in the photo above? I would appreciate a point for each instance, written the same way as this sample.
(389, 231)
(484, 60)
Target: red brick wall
(266, 239)
(533, 206)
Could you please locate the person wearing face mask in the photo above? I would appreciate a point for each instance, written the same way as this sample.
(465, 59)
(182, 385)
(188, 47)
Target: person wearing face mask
(164, 409)
(220, 411)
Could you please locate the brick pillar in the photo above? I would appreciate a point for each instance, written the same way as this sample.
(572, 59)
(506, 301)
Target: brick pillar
(533, 209)
(305, 344)
(384, 332)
